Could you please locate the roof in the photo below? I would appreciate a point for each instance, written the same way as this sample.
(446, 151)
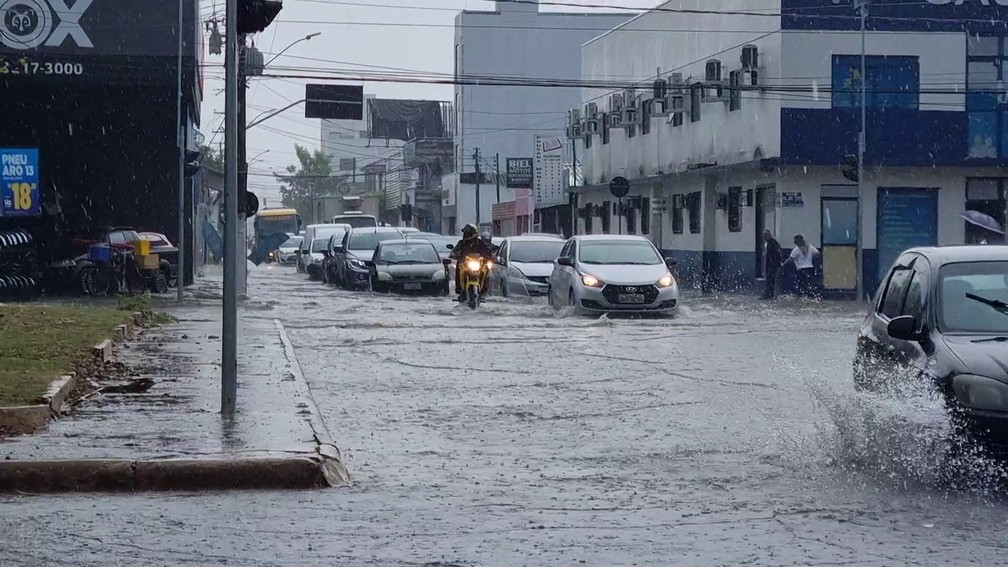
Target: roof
(950, 254)
(276, 212)
(535, 238)
(375, 229)
(610, 237)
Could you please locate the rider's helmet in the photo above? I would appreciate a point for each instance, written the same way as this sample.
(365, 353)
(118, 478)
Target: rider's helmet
(485, 237)
(469, 232)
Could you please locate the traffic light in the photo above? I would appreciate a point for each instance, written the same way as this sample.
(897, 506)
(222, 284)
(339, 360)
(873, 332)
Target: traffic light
(849, 167)
(255, 16)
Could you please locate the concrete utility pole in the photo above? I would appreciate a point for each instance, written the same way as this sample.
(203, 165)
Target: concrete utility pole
(862, 142)
(572, 196)
(242, 238)
(476, 157)
(182, 142)
(229, 334)
(497, 174)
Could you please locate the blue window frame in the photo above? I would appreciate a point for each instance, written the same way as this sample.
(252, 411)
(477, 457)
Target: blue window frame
(987, 59)
(893, 81)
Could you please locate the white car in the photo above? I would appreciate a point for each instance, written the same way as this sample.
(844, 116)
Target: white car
(613, 274)
(524, 264)
(287, 252)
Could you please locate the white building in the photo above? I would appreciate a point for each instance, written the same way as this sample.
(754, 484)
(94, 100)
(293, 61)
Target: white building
(766, 148)
(515, 42)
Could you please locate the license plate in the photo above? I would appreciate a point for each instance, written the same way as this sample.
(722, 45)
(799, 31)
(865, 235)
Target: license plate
(411, 286)
(630, 298)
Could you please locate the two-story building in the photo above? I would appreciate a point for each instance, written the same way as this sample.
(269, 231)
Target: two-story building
(755, 123)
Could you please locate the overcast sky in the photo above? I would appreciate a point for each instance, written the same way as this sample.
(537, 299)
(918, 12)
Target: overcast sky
(356, 35)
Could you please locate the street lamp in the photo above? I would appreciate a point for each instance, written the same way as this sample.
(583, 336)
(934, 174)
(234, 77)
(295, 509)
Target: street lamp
(305, 38)
(257, 156)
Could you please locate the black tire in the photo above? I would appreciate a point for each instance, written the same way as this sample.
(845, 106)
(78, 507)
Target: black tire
(159, 283)
(96, 281)
(472, 297)
(325, 276)
(570, 299)
(83, 276)
(445, 289)
(136, 284)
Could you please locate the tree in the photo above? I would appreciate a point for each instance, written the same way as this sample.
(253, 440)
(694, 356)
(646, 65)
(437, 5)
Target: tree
(309, 180)
(212, 159)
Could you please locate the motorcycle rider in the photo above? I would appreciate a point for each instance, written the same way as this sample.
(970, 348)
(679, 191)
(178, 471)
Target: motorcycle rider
(470, 245)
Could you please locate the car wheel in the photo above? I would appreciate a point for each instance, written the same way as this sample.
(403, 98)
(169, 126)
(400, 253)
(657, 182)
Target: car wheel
(325, 276)
(549, 296)
(159, 283)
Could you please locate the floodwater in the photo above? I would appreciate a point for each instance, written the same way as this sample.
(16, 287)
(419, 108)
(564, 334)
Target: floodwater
(516, 435)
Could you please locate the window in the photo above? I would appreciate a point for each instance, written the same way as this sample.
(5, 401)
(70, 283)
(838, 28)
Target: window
(893, 81)
(916, 296)
(677, 224)
(605, 129)
(566, 251)
(892, 302)
(645, 128)
(987, 196)
(631, 217)
(589, 220)
(645, 216)
(734, 209)
(735, 91)
(694, 110)
(693, 201)
(606, 217)
(957, 313)
(986, 107)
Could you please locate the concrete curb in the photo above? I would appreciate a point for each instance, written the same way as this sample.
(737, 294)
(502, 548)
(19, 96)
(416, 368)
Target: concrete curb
(29, 419)
(101, 475)
(336, 472)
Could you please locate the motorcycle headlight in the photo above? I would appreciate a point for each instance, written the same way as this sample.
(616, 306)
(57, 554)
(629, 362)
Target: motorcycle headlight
(474, 265)
(981, 393)
(591, 281)
(666, 281)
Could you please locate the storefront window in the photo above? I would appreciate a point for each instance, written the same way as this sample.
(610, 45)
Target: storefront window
(988, 110)
(893, 81)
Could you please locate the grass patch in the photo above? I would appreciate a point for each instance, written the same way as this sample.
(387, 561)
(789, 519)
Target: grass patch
(141, 304)
(39, 343)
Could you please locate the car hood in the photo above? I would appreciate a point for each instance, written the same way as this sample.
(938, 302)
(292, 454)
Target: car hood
(983, 359)
(317, 256)
(534, 270)
(287, 250)
(362, 255)
(401, 270)
(628, 274)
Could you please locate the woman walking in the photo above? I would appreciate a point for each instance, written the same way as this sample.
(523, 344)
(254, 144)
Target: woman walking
(802, 256)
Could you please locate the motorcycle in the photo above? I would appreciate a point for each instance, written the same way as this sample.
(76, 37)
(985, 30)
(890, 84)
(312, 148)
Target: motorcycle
(474, 273)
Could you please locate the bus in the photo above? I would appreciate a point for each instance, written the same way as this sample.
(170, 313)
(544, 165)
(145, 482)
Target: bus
(273, 221)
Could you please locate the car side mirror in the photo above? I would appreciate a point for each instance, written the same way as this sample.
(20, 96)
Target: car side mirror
(501, 261)
(670, 262)
(565, 261)
(903, 328)
(446, 262)
(450, 246)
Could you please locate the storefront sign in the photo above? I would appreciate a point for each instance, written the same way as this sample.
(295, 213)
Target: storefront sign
(548, 181)
(28, 24)
(519, 173)
(792, 200)
(19, 182)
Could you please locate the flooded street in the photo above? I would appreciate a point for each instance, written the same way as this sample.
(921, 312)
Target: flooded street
(515, 435)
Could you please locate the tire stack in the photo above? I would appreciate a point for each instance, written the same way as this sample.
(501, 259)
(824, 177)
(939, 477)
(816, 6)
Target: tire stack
(18, 279)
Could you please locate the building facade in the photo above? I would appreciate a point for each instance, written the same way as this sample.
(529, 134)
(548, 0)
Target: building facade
(517, 44)
(755, 125)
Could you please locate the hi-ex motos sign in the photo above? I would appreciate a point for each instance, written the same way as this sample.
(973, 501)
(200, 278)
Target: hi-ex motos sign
(28, 24)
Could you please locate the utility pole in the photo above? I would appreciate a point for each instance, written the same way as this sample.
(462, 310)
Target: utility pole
(229, 331)
(180, 275)
(572, 197)
(476, 157)
(242, 226)
(497, 174)
(862, 142)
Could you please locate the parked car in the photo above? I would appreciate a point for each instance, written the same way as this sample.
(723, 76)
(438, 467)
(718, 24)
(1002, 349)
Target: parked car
(167, 254)
(357, 248)
(315, 256)
(313, 232)
(329, 260)
(286, 253)
(611, 274)
(409, 230)
(939, 322)
(408, 265)
(440, 242)
(524, 265)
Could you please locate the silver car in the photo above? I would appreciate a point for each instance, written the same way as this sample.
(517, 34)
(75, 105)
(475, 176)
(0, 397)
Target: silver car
(287, 252)
(610, 274)
(524, 265)
(408, 265)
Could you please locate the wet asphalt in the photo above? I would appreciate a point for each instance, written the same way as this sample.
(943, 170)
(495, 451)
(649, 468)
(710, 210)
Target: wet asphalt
(515, 435)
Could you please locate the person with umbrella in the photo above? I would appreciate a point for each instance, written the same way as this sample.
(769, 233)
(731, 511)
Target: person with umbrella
(982, 228)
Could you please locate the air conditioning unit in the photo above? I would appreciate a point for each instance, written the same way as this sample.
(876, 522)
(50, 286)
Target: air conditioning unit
(679, 102)
(630, 98)
(712, 71)
(750, 57)
(661, 107)
(751, 78)
(616, 102)
(591, 110)
(714, 82)
(660, 89)
(630, 116)
(574, 131)
(591, 126)
(574, 116)
(615, 119)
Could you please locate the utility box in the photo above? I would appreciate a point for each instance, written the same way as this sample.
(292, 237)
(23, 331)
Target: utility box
(149, 262)
(142, 247)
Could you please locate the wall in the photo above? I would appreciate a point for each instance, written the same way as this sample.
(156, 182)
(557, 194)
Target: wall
(644, 47)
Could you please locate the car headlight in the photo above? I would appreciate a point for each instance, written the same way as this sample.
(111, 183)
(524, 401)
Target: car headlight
(474, 265)
(591, 281)
(666, 281)
(384, 276)
(439, 275)
(981, 393)
(355, 262)
(516, 273)
(316, 260)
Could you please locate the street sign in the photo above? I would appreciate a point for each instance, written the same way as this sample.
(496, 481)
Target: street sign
(334, 102)
(19, 183)
(619, 187)
(519, 173)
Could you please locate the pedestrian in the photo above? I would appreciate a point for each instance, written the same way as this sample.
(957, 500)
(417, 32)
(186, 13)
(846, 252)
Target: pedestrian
(802, 257)
(772, 257)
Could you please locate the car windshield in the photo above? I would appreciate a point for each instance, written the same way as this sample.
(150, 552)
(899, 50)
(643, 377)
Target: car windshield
(370, 240)
(974, 298)
(412, 253)
(535, 252)
(292, 242)
(356, 221)
(273, 225)
(618, 252)
(319, 244)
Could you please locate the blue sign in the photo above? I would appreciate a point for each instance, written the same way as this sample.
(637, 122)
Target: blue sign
(19, 182)
(978, 16)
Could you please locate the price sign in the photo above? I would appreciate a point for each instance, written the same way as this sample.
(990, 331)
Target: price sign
(19, 182)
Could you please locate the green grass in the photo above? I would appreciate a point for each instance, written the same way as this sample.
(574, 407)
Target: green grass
(39, 343)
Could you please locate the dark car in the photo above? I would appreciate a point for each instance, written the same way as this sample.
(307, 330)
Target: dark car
(329, 260)
(408, 266)
(940, 320)
(356, 250)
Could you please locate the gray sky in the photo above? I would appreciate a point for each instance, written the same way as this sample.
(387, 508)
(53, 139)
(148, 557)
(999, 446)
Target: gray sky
(347, 44)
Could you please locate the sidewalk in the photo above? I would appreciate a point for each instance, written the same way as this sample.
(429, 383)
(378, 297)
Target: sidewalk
(177, 424)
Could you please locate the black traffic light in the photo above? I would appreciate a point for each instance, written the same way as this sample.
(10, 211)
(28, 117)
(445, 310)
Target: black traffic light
(256, 15)
(251, 204)
(849, 167)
